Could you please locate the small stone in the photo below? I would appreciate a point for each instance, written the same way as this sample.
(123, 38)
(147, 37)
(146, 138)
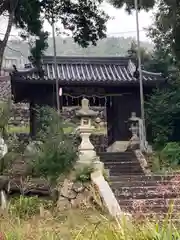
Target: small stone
(78, 187)
(82, 199)
(63, 203)
(66, 190)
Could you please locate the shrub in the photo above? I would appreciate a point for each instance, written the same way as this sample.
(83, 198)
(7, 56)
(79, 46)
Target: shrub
(84, 174)
(5, 110)
(25, 207)
(57, 153)
(171, 153)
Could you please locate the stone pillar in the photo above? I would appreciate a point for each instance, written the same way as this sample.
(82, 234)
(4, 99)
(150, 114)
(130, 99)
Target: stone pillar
(87, 154)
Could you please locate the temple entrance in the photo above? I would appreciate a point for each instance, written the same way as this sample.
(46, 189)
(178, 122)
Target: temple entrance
(108, 83)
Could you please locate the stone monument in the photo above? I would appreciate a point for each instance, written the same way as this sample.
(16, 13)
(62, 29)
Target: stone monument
(87, 154)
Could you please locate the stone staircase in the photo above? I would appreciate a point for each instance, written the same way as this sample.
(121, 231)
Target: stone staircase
(121, 163)
(138, 193)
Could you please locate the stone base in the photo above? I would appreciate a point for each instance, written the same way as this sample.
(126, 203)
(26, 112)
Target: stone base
(118, 146)
(95, 163)
(98, 165)
(81, 164)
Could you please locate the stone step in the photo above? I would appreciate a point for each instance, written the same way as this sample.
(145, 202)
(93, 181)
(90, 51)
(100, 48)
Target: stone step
(130, 178)
(144, 195)
(146, 189)
(117, 173)
(116, 153)
(155, 201)
(122, 163)
(116, 158)
(124, 170)
(120, 184)
(119, 160)
(150, 205)
(149, 210)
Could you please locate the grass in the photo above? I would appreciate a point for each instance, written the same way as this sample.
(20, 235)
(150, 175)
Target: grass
(26, 129)
(83, 224)
(18, 129)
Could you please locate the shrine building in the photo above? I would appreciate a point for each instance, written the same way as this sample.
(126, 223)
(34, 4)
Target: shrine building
(112, 82)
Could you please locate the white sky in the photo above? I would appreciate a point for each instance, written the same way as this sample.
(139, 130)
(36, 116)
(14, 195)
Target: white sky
(122, 24)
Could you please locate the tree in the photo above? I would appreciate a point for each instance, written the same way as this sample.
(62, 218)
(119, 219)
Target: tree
(129, 4)
(83, 18)
(23, 15)
(163, 107)
(133, 53)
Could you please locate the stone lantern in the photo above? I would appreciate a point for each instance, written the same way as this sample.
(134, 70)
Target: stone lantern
(87, 154)
(134, 120)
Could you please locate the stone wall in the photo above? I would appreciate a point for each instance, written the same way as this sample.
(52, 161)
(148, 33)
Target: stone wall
(20, 112)
(20, 115)
(99, 141)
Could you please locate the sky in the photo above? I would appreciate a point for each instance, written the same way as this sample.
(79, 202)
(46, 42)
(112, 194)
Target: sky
(121, 23)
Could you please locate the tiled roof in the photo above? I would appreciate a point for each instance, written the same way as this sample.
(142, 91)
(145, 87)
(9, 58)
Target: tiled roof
(90, 70)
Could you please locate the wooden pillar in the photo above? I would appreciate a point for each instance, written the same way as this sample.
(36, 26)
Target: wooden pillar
(110, 120)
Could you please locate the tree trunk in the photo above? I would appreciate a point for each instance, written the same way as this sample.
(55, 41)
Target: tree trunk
(3, 43)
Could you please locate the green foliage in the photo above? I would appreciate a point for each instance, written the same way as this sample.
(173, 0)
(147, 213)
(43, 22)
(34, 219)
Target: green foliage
(27, 207)
(133, 53)
(129, 4)
(57, 153)
(5, 110)
(38, 49)
(165, 30)
(171, 153)
(84, 174)
(163, 106)
(163, 112)
(84, 19)
(24, 15)
(17, 129)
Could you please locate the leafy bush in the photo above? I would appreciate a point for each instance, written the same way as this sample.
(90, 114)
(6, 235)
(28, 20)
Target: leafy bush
(15, 145)
(57, 153)
(84, 174)
(163, 113)
(171, 153)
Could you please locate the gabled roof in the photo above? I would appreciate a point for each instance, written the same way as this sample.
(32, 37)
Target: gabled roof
(86, 70)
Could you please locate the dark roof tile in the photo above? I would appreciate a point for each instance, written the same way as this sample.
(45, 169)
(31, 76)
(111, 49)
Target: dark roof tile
(91, 70)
